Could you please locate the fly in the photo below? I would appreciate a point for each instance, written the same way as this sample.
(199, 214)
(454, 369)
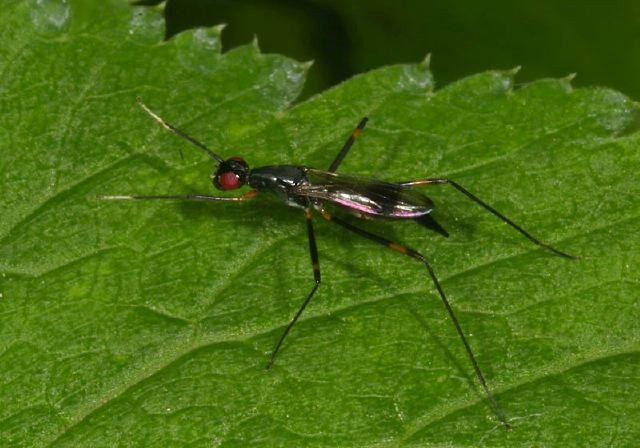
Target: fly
(313, 189)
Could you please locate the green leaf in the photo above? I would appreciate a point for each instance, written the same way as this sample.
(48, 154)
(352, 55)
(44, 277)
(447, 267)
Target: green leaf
(150, 324)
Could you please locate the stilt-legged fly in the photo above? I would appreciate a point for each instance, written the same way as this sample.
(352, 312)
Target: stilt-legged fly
(310, 188)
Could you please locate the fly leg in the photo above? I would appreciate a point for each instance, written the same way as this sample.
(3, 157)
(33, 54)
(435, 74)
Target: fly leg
(480, 202)
(315, 263)
(419, 257)
(185, 197)
(347, 146)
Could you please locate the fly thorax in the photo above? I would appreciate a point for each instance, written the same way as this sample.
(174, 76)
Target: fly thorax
(280, 180)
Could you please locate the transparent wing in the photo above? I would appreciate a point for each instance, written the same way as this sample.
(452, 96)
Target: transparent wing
(364, 195)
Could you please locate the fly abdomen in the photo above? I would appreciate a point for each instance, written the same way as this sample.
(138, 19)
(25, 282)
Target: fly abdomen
(363, 196)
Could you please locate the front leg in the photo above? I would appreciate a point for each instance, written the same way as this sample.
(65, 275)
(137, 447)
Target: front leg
(186, 197)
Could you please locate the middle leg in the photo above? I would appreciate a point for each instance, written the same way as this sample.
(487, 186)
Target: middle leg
(347, 146)
(313, 251)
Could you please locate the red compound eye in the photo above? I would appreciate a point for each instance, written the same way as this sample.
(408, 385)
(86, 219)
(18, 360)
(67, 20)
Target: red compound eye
(229, 180)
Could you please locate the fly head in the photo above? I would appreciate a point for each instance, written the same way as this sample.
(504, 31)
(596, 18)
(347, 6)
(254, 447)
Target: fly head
(231, 174)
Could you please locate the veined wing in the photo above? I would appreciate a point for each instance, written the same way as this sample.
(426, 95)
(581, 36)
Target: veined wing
(364, 195)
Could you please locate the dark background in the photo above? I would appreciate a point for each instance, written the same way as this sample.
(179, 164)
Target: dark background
(600, 41)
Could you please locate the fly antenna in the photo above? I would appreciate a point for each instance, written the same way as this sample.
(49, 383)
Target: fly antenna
(178, 132)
